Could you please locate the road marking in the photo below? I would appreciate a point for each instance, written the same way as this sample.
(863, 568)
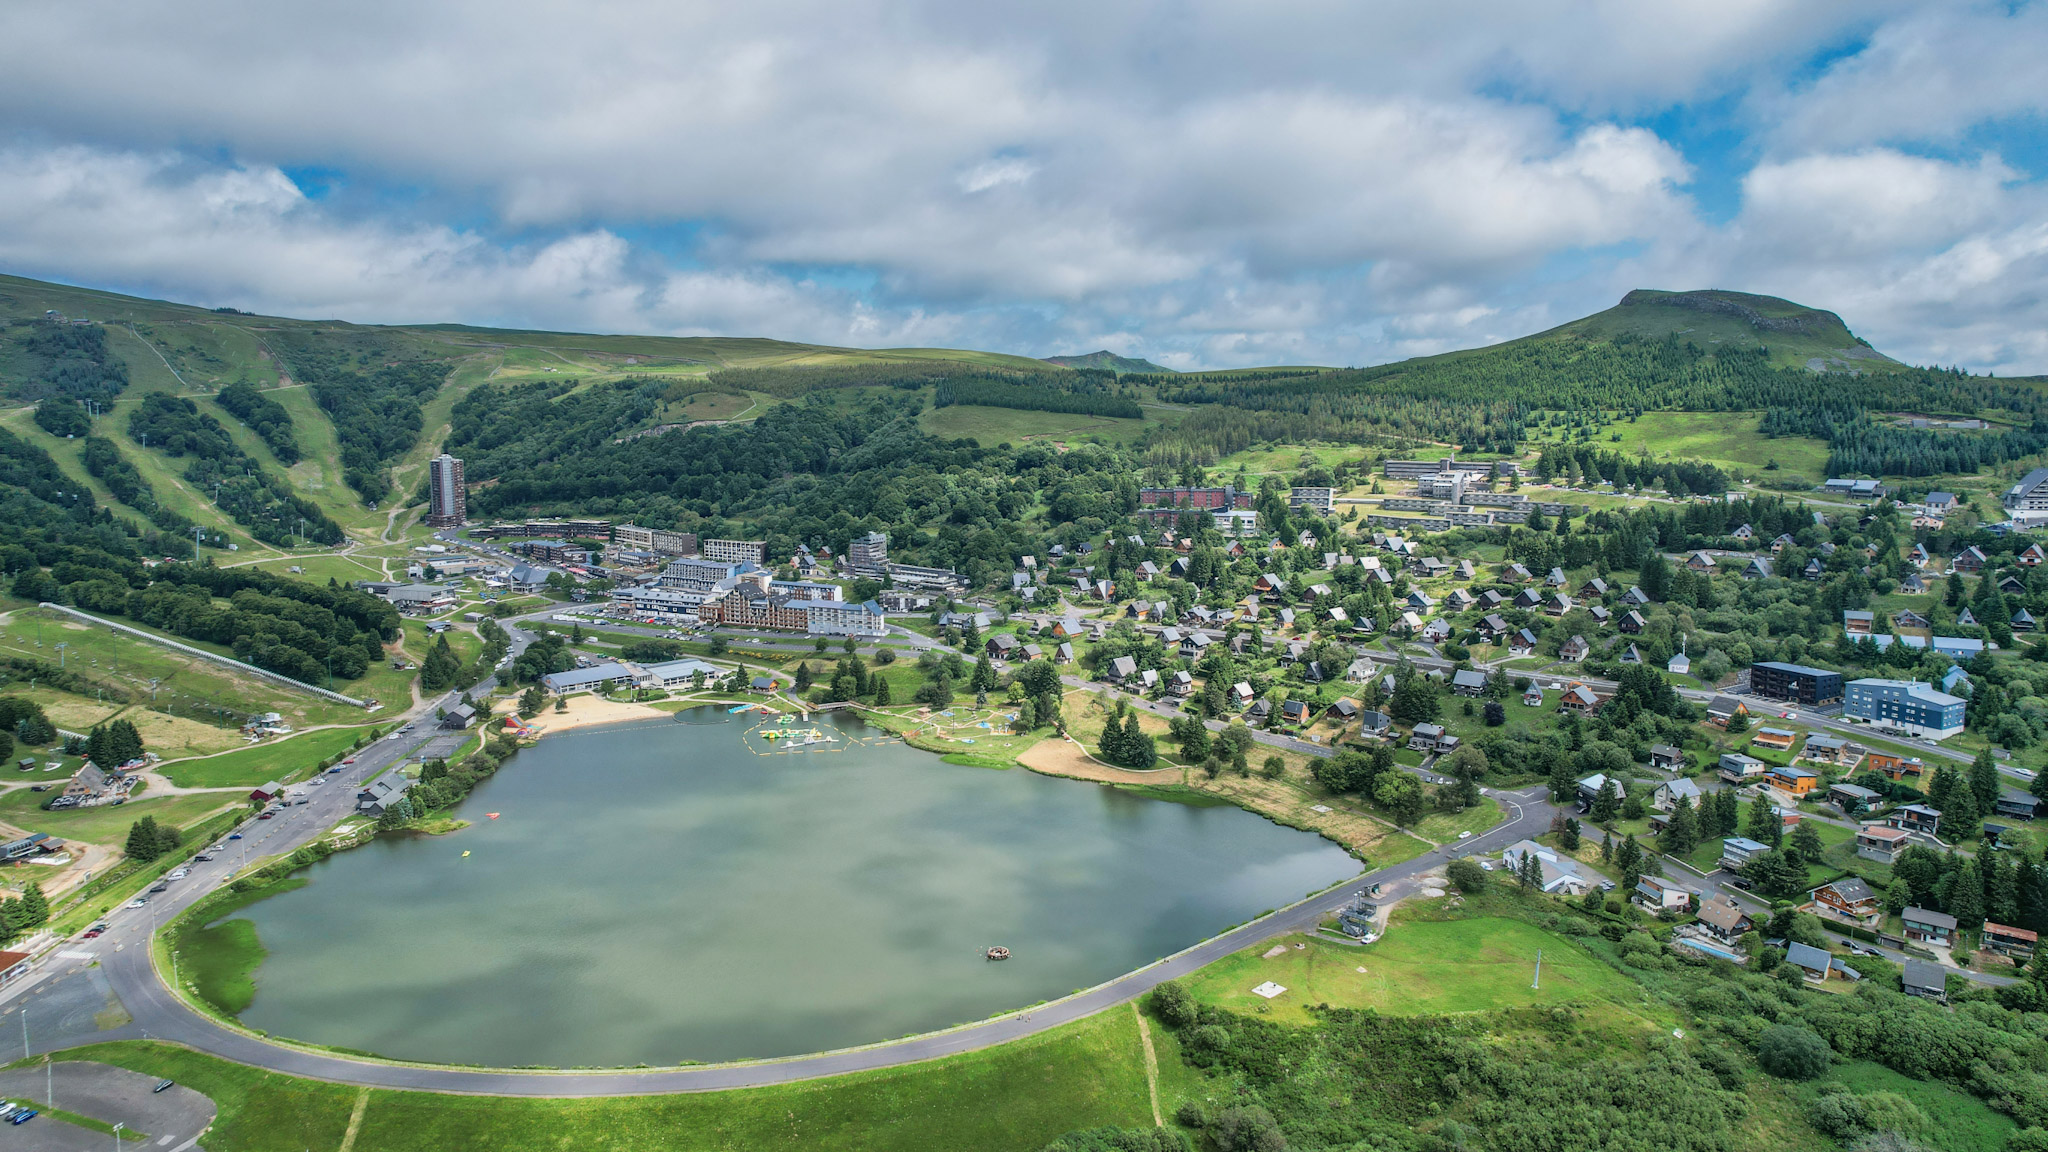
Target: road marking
(1151, 1065)
(355, 1119)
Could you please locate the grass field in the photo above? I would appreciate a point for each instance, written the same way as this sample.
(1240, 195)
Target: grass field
(992, 426)
(283, 760)
(108, 823)
(1727, 439)
(1961, 1122)
(1014, 1098)
(1417, 968)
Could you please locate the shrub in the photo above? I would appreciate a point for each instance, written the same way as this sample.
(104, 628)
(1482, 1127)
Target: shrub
(1467, 876)
(1173, 1006)
(1793, 1053)
(1247, 1128)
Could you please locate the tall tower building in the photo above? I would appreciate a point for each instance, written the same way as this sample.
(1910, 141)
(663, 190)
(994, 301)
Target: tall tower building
(447, 507)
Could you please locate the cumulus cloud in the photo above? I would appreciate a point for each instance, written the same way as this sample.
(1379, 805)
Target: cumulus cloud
(1205, 183)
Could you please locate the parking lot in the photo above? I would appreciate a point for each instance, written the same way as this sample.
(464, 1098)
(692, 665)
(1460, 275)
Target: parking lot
(170, 1120)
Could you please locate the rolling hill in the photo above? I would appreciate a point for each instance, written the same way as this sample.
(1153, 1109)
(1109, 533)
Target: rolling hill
(1106, 359)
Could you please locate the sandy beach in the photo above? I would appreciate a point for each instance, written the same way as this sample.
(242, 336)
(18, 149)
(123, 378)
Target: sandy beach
(586, 711)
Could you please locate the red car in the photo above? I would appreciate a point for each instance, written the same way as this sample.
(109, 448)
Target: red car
(92, 933)
(350, 760)
(266, 815)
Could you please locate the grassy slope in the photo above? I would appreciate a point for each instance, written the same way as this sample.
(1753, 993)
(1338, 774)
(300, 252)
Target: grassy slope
(992, 426)
(1726, 439)
(108, 824)
(1015, 1097)
(282, 760)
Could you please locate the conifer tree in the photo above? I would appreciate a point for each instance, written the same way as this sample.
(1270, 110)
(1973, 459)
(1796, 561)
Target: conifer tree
(1683, 832)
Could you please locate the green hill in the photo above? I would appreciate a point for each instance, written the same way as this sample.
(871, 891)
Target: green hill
(1713, 319)
(1106, 359)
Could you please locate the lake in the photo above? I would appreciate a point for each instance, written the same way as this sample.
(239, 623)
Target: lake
(673, 891)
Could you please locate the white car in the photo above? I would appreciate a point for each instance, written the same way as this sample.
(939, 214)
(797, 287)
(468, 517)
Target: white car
(1464, 835)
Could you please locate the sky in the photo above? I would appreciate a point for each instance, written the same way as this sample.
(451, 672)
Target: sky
(1202, 183)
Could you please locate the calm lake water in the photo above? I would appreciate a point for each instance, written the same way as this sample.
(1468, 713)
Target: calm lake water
(656, 892)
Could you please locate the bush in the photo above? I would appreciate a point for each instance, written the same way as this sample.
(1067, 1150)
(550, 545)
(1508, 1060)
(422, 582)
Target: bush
(1467, 876)
(1210, 1038)
(1247, 1128)
(1793, 1053)
(1172, 1005)
(1575, 926)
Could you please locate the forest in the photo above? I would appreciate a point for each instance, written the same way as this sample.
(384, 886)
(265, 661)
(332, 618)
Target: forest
(373, 399)
(258, 500)
(1032, 398)
(264, 416)
(105, 463)
(69, 360)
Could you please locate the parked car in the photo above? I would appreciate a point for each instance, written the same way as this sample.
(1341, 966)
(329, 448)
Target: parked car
(163, 1084)
(333, 770)
(23, 1116)
(234, 835)
(179, 873)
(160, 886)
(203, 857)
(138, 902)
(1742, 882)
(266, 815)
(39, 787)
(350, 760)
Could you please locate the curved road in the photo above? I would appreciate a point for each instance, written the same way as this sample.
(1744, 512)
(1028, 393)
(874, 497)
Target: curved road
(123, 954)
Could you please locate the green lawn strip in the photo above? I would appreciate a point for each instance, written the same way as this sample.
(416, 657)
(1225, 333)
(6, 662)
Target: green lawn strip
(1961, 1122)
(992, 426)
(1417, 968)
(282, 760)
(1443, 827)
(1018, 1095)
(120, 883)
(45, 1112)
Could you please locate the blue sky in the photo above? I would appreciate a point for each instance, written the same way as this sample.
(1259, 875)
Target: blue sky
(1202, 183)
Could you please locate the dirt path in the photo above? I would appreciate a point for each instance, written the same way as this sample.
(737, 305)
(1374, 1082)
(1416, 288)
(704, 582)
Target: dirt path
(1151, 1065)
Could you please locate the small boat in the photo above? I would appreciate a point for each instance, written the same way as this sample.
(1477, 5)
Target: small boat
(998, 953)
(465, 852)
(492, 815)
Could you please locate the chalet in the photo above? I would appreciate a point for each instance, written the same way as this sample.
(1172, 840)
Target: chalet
(1814, 963)
(1423, 737)
(1522, 643)
(1700, 562)
(1894, 766)
(1601, 616)
(1723, 917)
(1420, 601)
(1556, 579)
(1003, 646)
(2017, 943)
(1181, 684)
(1660, 895)
(1722, 709)
(1557, 873)
(2024, 621)
(1830, 750)
(1343, 711)
(1915, 818)
(1589, 788)
(1781, 543)
(1971, 559)
(1467, 682)
(1858, 623)
(1031, 652)
(2014, 803)
(1632, 622)
(1491, 599)
(1122, 670)
(1666, 758)
(1592, 588)
(87, 782)
(1437, 631)
(1580, 698)
(2033, 555)
(1063, 654)
(1757, 569)
(1669, 793)
(1241, 694)
(1913, 585)
(1848, 899)
(1574, 650)
(1374, 723)
(459, 717)
(1920, 556)
(1361, 670)
(2012, 586)
(1494, 626)
(1516, 573)
(1776, 739)
(1294, 712)
(1881, 843)
(1814, 569)
(1313, 672)
(1736, 851)
(1533, 696)
(1458, 600)
(1466, 571)
(1557, 605)
(1852, 798)
(1429, 567)
(1633, 655)
(1924, 926)
(1906, 618)
(1527, 598)
(1737, 768)
(1195, 645)
(1259, 711)
(1293, 651)
(1924, 980)
(1966, 618)
(1069, 628)
(381, 795)
(1745, 532)
(1635, 596)
(1285, 618)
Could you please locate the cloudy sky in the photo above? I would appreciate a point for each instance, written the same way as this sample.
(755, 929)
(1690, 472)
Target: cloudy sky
(1203, 183)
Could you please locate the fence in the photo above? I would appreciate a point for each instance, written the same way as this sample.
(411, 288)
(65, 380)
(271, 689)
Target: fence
(217, 658)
